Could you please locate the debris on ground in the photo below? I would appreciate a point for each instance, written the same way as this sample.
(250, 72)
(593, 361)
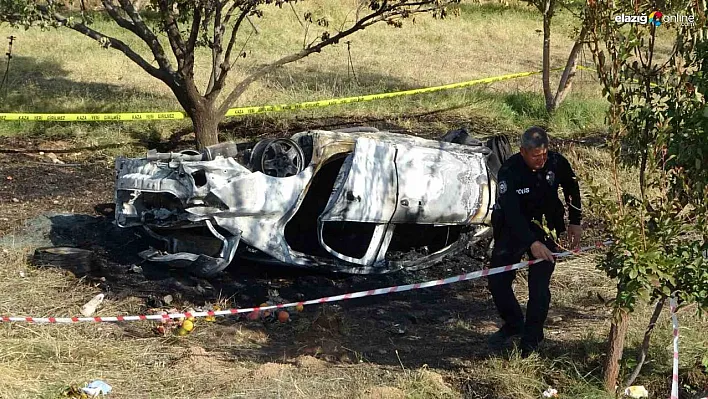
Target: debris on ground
(636, 391)
(55, 159)
(283, 316)
(550, 393)
(90, 307)
(93, 389)
(97, 387)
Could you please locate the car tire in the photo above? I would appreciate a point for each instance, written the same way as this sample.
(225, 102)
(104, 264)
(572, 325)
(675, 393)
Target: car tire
(501, 151)
(274, 148)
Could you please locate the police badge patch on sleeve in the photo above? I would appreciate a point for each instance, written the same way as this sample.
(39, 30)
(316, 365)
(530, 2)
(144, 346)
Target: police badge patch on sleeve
(550, 177)
(502, 187)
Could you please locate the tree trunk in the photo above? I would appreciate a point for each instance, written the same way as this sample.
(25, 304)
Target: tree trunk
(642, 355)
(569, 71)
(546, 77)
(615, 346)
(206, 126)
(205, 116)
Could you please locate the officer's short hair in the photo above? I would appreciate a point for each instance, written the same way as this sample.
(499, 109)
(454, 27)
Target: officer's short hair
(534, 137)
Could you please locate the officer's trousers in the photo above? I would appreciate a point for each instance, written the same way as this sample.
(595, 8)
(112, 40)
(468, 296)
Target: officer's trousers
(539, 279)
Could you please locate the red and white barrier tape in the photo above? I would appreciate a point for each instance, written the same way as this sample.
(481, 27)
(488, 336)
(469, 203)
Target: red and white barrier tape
(336, 298)
(675, 378)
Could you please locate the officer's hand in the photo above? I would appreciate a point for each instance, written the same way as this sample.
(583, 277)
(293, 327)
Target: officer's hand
(540, 251)
(575, 231)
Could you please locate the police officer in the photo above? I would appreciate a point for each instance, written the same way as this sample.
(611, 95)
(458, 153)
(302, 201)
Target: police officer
(527, 194)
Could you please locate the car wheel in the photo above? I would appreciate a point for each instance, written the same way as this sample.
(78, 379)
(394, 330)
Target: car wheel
(278, 157)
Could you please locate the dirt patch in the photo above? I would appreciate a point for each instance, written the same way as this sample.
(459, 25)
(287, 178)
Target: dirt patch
(271, 370)
(382, 393)
(310, 363)
(198, 360)
(434, 380)
(32, 185)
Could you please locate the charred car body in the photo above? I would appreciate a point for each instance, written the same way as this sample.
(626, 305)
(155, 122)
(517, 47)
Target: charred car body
(354, 200)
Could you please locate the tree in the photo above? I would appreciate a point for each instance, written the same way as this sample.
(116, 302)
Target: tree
(215, 24)
(548, 9)
(657, 124)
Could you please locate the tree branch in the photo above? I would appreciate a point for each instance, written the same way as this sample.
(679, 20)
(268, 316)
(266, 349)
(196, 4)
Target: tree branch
(546, 57)
(138, 27)
(385, 12)
(570, 67)
(216, 48)
(173, 34)
(642, 355)
(226, 61)
(196, 24)
(112, 42)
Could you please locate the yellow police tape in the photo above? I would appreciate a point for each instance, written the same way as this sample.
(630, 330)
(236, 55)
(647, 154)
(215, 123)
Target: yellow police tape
(152, 116)
(371, 97)
(127, 116)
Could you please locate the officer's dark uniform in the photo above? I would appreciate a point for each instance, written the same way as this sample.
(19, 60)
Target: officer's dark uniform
(524, 196)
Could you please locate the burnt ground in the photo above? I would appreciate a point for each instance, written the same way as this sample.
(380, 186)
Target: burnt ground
(43, 203)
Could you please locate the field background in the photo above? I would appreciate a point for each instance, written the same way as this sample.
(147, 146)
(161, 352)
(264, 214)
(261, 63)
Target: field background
(60, 71)
(352, 350)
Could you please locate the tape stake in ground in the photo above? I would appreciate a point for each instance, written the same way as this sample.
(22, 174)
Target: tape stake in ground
(675, 375)
(174, 115)
(380, 291)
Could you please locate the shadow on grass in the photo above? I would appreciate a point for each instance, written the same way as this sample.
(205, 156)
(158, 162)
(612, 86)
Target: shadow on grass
(41, 86)
(573, 117)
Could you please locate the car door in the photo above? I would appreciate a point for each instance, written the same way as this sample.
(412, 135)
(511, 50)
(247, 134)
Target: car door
(443, 185)
(354, 224)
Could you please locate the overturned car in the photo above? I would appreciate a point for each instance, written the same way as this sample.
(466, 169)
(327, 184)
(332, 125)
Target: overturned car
(355, 200)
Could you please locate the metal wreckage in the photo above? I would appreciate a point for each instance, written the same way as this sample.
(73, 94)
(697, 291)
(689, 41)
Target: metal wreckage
(354, 200)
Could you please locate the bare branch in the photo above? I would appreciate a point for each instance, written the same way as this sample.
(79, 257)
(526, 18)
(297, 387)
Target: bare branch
(642, 355)
(196, 24)
(216, 49)
(232, 40)
(570, 67)
(385, 12)
(173, 34)
(292, 7)
(138, 27)
(224, 61)
(163, 75)
(127, 6)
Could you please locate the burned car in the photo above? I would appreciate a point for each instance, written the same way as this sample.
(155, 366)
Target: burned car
(354, 200)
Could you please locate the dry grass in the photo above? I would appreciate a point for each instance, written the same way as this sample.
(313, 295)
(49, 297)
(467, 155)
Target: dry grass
(216, 360)
(43, 360)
